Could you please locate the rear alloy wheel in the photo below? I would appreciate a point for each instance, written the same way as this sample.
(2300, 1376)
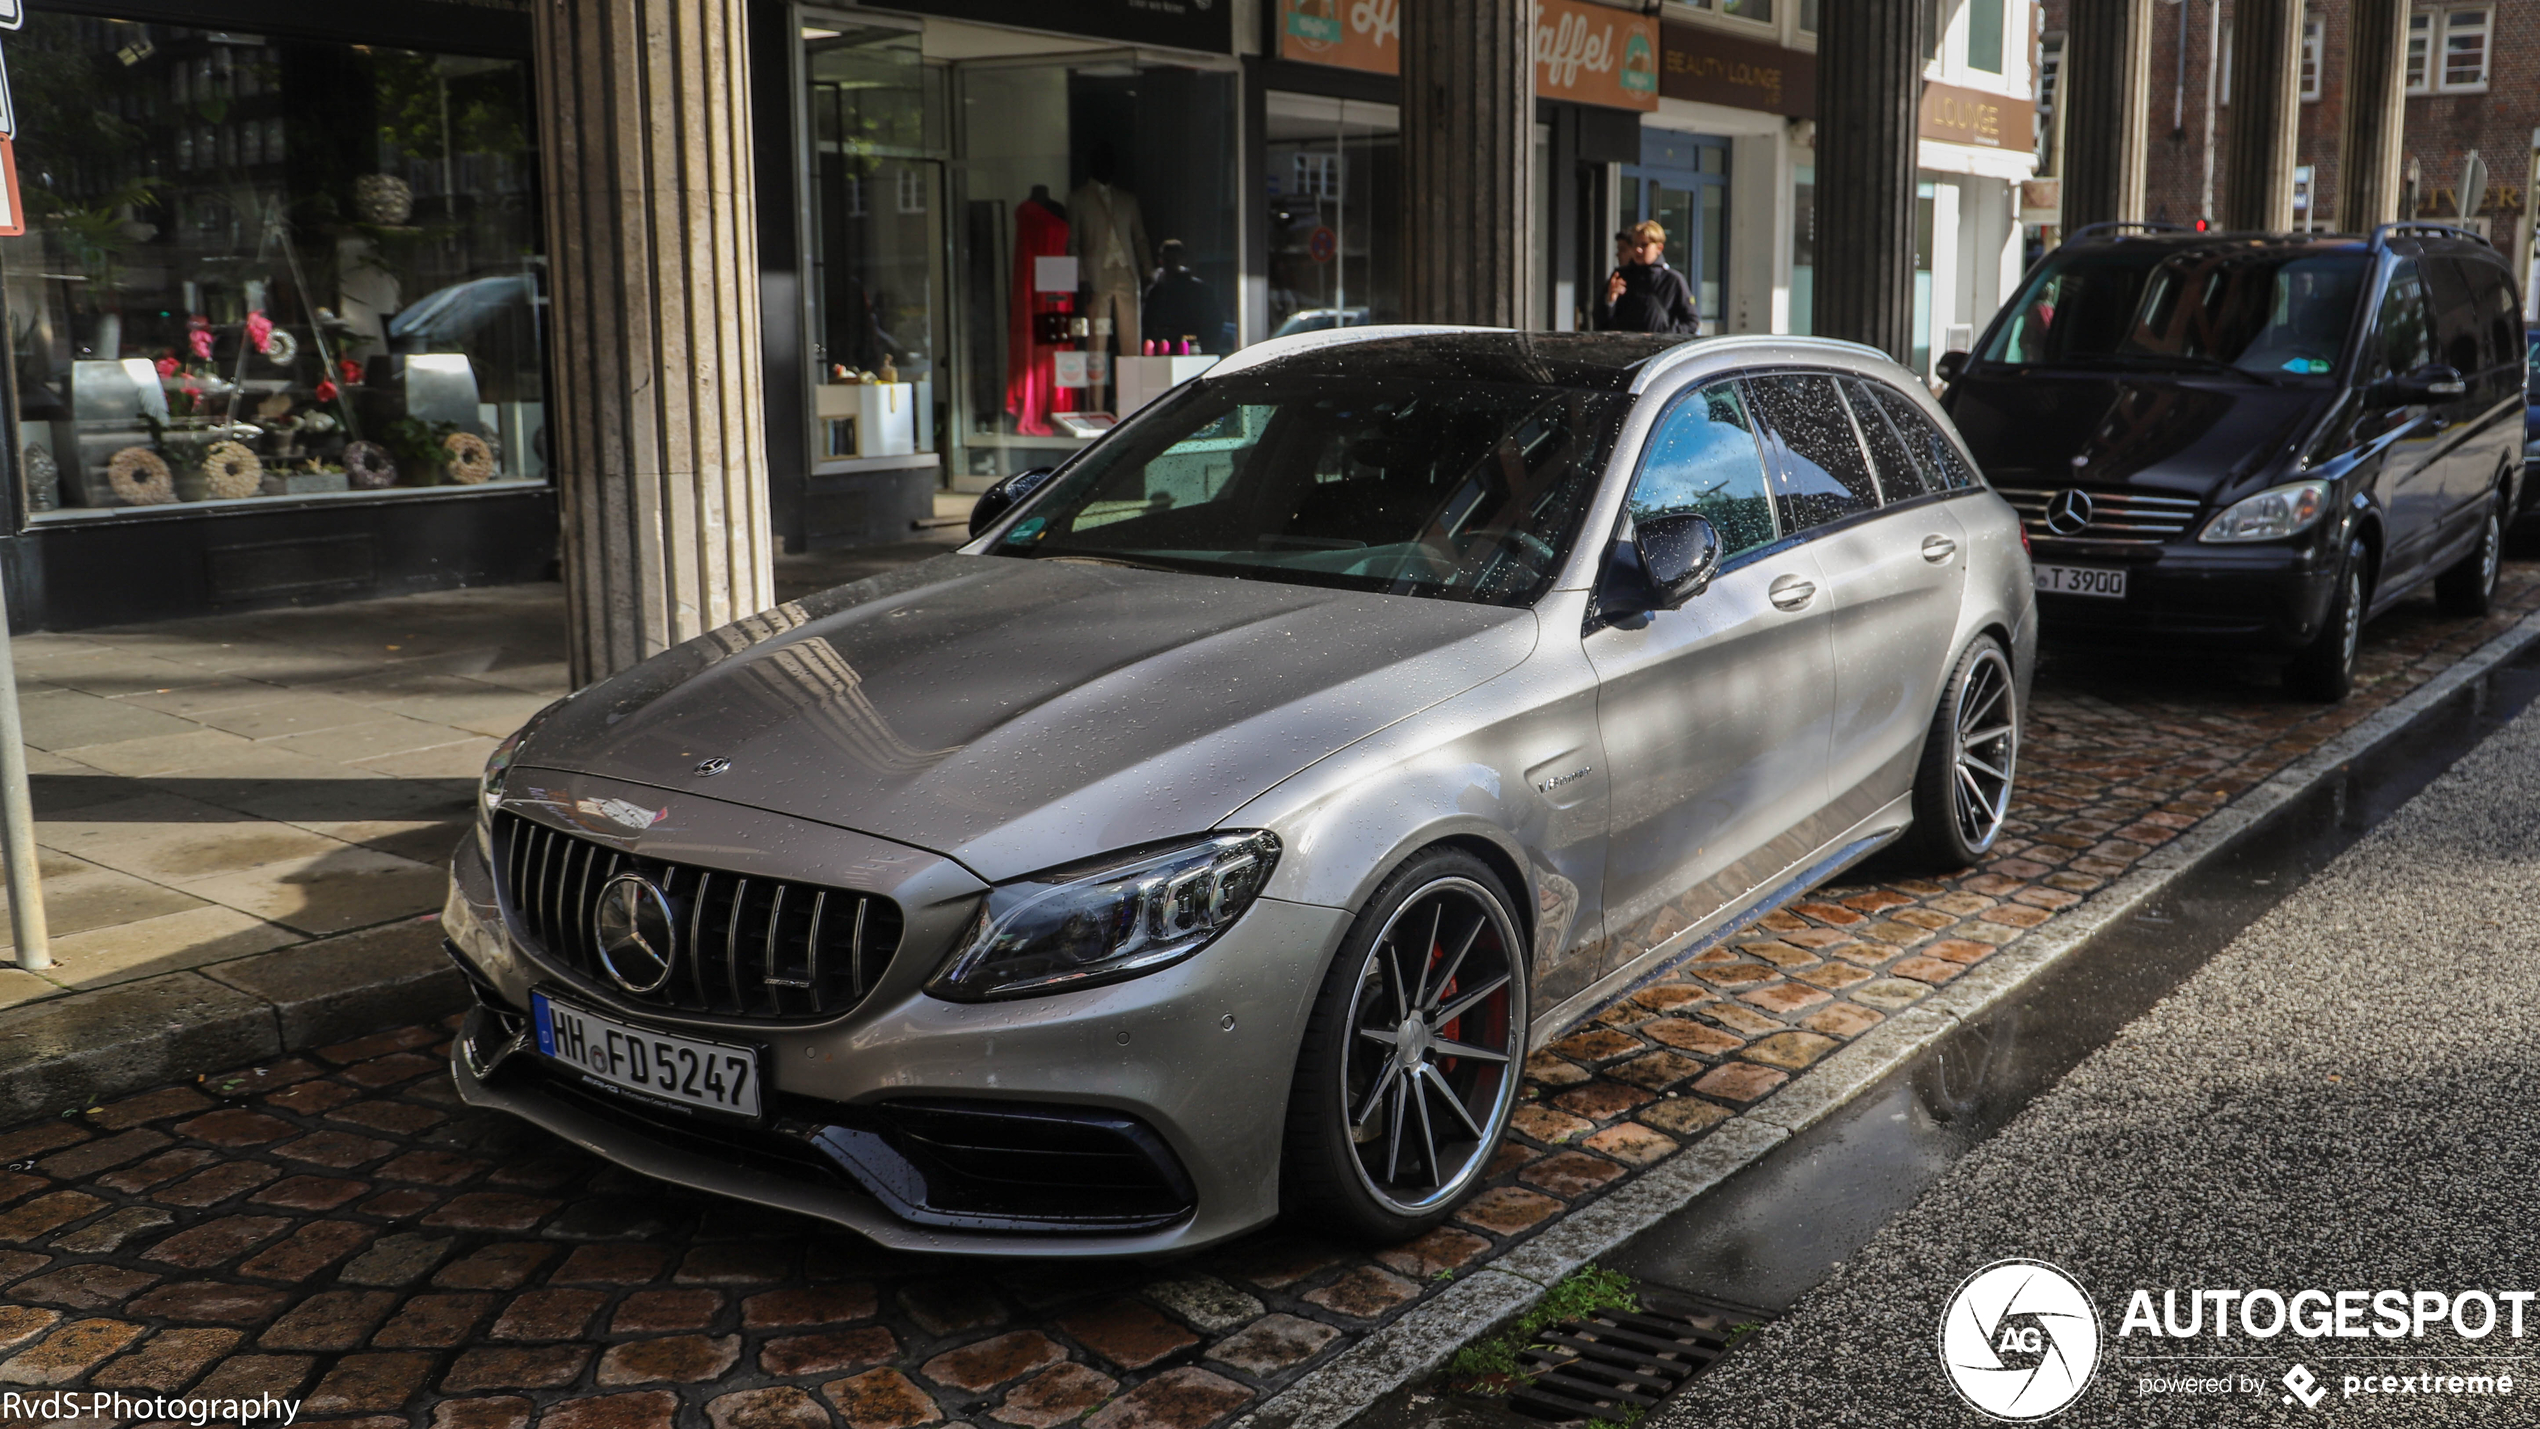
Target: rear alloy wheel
(2469, 588)
(2324, 670)
(1411, 1061)
(1971, 756)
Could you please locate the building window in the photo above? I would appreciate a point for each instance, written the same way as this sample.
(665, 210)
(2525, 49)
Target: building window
(1761, 10)
(1808, 17)
(1984, 35)
(2447, 50)
(2311, 41)
(2050, 71)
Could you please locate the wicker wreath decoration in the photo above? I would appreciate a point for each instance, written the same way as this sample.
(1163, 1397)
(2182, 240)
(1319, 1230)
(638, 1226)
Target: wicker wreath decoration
(368, 466)
(471, 460)
(231, 471)
(139, 477)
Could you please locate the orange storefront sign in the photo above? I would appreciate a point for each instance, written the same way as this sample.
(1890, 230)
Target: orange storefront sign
(1584, 53)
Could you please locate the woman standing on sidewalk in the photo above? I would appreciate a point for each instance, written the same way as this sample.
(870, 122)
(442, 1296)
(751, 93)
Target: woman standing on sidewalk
(1643, 294)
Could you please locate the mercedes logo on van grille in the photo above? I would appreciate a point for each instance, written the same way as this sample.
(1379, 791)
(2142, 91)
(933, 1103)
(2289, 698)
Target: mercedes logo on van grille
(636, 936)
(2068, 514)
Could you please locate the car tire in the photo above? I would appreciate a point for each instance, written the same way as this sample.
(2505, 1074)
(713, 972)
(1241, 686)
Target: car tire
(2324, 670)
(2469, 587)
(1383, 1143)
(1971, 754)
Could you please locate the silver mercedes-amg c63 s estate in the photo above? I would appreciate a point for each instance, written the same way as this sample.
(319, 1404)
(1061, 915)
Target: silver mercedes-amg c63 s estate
(1214, 833)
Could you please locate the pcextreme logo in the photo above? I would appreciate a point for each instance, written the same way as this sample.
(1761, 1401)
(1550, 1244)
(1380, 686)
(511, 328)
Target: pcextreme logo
(2020, 1340)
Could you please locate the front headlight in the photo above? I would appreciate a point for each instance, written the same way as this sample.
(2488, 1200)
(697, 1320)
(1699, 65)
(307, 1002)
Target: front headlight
(2271, 514)
(498, 765)
(1118, 917)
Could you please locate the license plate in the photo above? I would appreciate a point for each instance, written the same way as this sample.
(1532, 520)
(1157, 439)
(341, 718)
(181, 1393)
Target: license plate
(685, 1071)
(2082, 580)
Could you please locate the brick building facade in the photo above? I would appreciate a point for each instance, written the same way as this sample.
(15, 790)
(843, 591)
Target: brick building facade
(2474, 87)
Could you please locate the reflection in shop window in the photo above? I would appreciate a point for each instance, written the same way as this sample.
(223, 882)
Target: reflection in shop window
(257, 267)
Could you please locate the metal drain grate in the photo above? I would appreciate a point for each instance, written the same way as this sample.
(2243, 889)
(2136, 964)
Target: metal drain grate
(1616, 1362)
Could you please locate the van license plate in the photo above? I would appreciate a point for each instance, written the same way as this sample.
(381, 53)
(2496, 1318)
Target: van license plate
(686, 1071)
(2082, 580)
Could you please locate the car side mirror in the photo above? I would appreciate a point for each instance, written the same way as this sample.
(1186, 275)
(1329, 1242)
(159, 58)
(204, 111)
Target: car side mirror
(1680, 554)
(1949, 365)
(2428, 383)
(1003, 497)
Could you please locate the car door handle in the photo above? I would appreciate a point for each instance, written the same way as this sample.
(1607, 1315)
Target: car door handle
(1793, 593)
(1937, 549)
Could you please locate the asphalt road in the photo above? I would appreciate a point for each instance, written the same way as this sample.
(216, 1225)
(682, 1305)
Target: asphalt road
(2279, 1121)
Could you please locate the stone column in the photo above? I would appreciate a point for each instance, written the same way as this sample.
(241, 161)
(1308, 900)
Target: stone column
(655, 420)
(1869, 91)
(2265, 134)
(2107, 110)
(2376, 76)
(1468, 162)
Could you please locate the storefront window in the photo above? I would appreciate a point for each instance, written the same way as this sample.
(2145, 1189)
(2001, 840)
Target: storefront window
(1682, 181)
(1095, 248)
(1334, 173)
(876, 242)
(258, 267)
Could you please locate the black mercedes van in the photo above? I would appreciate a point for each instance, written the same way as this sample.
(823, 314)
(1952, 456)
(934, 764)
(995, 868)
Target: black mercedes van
(2253, 441)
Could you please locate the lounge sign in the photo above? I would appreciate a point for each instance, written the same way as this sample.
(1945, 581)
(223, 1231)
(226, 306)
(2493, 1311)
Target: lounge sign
(1971, 116)
(1584, 53)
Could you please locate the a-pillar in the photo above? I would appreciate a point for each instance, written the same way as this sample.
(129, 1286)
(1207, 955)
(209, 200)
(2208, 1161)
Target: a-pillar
(2368, 158)
(1468, 162)
(2264, 138)
(655, 418)
(2106, 101)
(1869, 87)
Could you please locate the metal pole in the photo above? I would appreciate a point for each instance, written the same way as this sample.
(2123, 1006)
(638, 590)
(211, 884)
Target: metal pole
(17, 816)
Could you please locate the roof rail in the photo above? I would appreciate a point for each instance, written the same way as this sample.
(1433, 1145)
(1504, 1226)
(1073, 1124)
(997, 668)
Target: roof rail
(2088, 229)
(2381, 236)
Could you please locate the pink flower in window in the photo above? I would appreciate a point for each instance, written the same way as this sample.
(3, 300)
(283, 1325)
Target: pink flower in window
(260, 331)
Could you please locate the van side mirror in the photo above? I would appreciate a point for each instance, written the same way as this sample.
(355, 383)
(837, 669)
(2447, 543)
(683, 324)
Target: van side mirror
(1949, 365)
(1680, 555)
(2432, 382)
(1001, 498)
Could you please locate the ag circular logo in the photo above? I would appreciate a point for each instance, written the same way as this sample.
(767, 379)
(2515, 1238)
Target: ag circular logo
(635, 935)
(2020, 1340)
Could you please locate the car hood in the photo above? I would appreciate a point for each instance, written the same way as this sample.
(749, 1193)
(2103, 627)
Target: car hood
(2189, 437)
(1016, 714)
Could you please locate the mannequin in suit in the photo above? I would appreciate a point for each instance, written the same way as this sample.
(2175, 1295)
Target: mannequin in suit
(1109, 238)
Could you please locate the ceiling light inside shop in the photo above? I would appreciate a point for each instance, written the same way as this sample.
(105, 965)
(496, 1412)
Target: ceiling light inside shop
(810, 33)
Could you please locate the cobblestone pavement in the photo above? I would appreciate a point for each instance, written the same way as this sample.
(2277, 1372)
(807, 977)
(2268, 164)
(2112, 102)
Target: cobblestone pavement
(338, 1227)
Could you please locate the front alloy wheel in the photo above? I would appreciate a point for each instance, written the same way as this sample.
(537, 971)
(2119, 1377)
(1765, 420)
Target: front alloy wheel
(1410, 1065)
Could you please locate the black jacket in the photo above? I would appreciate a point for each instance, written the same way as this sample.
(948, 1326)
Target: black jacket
(1178, 304)
(1655, 298)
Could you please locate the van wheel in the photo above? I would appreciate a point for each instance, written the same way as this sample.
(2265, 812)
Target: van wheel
(2469, 588)
(1412, 1058)
(1971, 755)
(2325, 668)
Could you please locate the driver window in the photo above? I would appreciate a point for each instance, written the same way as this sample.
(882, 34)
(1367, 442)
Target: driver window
(1705, 458)
(2404, 332)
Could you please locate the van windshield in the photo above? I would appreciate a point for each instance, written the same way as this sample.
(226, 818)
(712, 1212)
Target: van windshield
(2268, 312)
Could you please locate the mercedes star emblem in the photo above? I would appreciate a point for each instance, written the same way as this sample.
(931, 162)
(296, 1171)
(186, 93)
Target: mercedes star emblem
(636, 936)
(708, 768)
(2068, 514)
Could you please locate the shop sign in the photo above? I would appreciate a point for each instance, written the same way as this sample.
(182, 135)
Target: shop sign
(1972, 116)
(1584, 53)
(1707, 67)
(1181, 24)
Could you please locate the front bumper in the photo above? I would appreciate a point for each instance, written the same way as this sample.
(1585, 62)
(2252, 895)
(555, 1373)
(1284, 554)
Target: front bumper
(1199, 1055)
(2264, 597)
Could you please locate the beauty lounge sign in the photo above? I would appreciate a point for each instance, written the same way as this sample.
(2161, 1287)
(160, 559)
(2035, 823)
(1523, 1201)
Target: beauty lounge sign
(1584, 53)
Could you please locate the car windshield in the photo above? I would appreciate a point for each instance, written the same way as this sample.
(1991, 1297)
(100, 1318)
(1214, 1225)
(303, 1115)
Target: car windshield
(1469, 491)
(2267, 312)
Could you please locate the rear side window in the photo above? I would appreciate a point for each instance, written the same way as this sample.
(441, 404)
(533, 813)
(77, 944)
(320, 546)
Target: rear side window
(1901, 476)
(1823, 477)
(1705, 458)
(1942, 467)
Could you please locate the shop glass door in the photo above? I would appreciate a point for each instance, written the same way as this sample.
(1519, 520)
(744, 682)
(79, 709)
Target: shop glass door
(876, 241)
(1335, 248)
(1682, 181)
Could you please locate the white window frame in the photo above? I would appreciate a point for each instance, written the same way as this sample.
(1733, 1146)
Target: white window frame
(2429, 48)
(2314, 45)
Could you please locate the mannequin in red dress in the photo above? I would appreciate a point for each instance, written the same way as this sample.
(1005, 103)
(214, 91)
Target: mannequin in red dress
(1031, 376)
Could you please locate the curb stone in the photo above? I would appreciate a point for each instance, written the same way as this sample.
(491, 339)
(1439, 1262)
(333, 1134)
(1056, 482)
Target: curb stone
(70, 1052)
(1426, 1336)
